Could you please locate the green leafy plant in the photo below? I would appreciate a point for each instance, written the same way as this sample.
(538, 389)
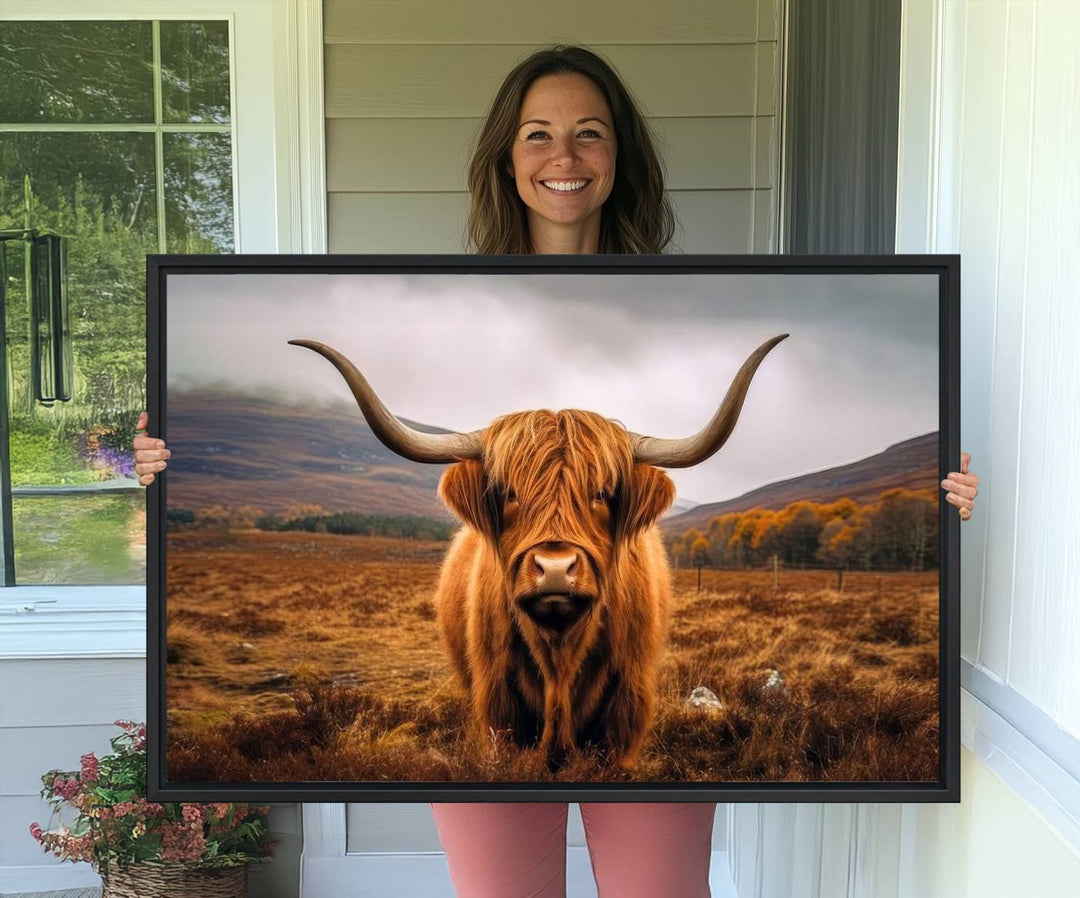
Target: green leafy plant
(116, 824)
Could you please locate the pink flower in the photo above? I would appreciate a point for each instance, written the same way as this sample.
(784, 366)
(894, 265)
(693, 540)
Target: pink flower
(192, 813)
(181, 842)
(149, 808)
(123, 808)
(89, 768)
(36, 832)
(66, 789)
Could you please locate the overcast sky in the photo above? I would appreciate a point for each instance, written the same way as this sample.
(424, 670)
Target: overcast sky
(657, 352)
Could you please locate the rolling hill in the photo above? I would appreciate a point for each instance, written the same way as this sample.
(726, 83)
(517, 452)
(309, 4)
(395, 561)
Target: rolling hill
(256, 451)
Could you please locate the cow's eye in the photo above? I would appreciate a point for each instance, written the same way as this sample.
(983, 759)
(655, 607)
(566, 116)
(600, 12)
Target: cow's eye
(511, 496)
(600, 496)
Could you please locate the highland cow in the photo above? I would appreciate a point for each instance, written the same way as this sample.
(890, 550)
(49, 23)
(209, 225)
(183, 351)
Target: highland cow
(553, 598)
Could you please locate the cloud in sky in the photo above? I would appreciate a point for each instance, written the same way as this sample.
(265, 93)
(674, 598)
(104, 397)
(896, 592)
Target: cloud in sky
(657, 352)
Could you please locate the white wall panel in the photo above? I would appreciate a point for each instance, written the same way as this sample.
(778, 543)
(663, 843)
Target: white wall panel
(520, 22)
(1046, 615)
(459, 80)
(1013, 186)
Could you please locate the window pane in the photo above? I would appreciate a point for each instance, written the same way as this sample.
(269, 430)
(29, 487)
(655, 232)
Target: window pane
(76, 72)
(98, 191)
(81, 540)
(198, 193)
(195, 72)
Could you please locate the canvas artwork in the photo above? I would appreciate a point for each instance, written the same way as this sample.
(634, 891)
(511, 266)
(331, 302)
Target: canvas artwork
(447, 526)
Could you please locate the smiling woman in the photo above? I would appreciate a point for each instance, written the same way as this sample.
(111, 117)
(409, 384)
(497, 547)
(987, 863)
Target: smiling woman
(561, 117)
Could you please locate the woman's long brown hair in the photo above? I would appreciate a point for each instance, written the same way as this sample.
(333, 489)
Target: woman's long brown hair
(637, 216)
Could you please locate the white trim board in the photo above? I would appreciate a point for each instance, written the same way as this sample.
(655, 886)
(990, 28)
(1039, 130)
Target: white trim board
(1049, 789)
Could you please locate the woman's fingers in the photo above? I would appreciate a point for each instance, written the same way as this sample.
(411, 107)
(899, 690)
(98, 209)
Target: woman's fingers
(962, 487)
(962, 484)
(960, 501)
(150, 452)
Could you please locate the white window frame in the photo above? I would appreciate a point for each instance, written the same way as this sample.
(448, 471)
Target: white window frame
(279, 206)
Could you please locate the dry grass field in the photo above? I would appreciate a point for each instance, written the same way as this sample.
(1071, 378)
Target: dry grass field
(298, 656)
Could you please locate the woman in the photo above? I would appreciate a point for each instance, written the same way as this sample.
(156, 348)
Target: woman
(565, 164)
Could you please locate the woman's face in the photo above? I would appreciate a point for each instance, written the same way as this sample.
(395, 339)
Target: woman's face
(563, 154)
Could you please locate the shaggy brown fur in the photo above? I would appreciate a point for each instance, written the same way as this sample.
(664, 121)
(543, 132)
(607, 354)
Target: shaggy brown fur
(563, 478)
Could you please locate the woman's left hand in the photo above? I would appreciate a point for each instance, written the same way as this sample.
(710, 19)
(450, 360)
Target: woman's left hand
(962, 487)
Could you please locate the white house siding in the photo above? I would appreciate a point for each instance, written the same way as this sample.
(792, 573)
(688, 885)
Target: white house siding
(408, 83)
(989, 143)
(53, 711)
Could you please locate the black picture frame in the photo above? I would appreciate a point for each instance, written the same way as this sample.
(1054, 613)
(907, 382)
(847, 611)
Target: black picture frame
(947, 270)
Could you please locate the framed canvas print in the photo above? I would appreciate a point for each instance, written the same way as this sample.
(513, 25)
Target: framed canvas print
(467, 528)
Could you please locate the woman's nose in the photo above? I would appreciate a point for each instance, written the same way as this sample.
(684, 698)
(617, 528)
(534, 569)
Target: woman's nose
(564, 148)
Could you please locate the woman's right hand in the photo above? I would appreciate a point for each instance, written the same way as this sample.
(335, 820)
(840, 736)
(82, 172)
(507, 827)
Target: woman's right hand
(150, 453)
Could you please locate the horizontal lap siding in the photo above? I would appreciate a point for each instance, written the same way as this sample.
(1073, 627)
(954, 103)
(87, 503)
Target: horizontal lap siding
(408, 84)
(55, 711)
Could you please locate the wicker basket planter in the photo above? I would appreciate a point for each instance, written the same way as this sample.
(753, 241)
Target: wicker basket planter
(159, 880)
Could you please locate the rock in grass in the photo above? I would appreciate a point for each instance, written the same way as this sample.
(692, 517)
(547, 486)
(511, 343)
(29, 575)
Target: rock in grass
(703, 699)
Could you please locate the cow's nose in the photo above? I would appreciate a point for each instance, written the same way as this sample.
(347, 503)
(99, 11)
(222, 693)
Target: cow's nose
(555, 571)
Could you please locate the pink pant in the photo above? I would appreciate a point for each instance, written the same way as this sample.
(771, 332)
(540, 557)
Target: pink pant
(501, 850)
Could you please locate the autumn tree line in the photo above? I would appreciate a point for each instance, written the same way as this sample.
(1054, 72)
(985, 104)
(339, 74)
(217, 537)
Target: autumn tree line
(899, 531)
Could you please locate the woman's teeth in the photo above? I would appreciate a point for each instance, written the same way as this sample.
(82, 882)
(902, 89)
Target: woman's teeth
(564, 186)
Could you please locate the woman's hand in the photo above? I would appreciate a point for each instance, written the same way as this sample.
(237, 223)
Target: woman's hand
(962, 487)
(150, 454)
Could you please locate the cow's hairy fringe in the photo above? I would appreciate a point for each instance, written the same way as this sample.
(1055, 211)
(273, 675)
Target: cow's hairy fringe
(522, 448)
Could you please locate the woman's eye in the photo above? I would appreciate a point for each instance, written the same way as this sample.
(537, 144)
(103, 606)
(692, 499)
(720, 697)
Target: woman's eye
(588, 132)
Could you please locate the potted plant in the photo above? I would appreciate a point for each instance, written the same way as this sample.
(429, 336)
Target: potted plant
(140, 847)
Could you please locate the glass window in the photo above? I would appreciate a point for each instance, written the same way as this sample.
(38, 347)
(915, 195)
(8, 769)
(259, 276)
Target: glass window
(117, 136)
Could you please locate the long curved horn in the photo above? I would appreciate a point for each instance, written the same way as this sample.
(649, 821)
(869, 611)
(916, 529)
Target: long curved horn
(693, 450)
(432, 448)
